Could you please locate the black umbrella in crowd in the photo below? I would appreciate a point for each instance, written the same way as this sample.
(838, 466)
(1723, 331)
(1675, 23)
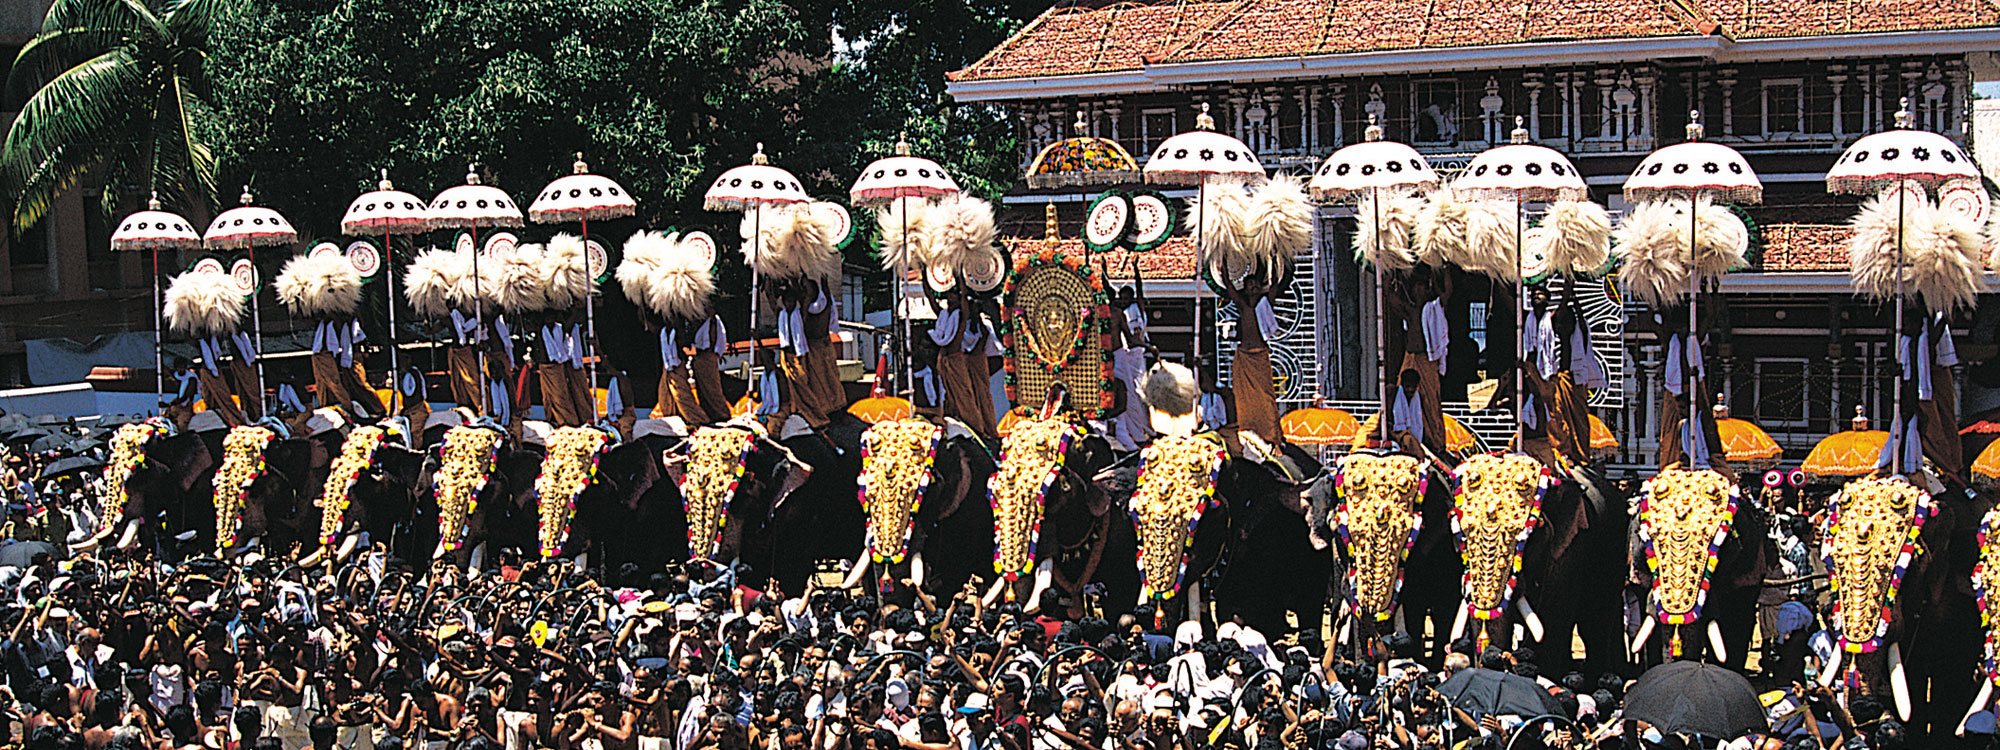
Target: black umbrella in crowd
(27, 435)
(1484, 692)
(1687, 697)
(22, 554)
(71, 465)
(54, 441)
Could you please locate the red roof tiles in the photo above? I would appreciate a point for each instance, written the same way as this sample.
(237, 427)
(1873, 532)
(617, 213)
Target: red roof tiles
(1070, 39)
(1805, 247)
(1752, 19)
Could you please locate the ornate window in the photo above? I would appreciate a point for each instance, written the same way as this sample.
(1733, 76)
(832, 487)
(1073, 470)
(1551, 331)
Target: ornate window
(1783, 105)
(1155, 125)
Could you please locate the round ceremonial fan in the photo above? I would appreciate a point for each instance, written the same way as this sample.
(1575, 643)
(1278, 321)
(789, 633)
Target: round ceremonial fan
(1535, 267)
(599, 260)
(500, 242)
(984, 272)
(840, 219)
(1153, 222)
(1108, 222)
(1967, 198)
(939, 280)
(244, 273)
(365, 257)
(323, 248)
(702, 246)
(209, 264)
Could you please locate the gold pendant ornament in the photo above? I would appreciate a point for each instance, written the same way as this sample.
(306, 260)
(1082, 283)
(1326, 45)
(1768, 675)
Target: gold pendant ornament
(242, 463)
(897, 458)
(1378, 522)
(1175, 487)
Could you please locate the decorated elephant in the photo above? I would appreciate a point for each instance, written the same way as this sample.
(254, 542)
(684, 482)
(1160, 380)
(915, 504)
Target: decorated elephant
(482, 496)
(728, 482)
(151, 472)
(922, 482)
(1387, 518)
(1053, 523)
(370, 494)
(1699, 551)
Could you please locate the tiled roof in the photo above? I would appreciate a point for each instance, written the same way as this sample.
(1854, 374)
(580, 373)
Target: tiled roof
(1171, 261)
(1805, 247)
(1070, 39)
(1085, 37)
(1753, 19)
(1287, 28)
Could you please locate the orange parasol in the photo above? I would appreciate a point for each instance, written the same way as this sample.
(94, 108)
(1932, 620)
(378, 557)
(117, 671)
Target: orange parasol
(744, 405)
(1744, 444)
(1457, 438)
(1603, 444)
(1319, 425)
(1846, 454)
(1986, 468)
(875, 409)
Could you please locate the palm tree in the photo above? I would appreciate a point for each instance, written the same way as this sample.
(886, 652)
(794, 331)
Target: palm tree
(119, 96)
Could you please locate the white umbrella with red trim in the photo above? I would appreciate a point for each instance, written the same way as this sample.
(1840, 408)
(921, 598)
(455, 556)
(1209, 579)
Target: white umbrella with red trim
(581, 196)
(248, 227)
(155, 229)
(473, 206)
(751, 187)
(898, 178)
(1195, 158)
(389, 212)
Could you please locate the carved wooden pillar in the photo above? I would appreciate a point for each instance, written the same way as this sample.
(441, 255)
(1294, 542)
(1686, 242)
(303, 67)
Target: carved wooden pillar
(1532, 84)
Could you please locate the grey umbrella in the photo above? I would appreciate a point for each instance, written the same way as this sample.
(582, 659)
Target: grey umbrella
(70, 465)
(1483, 692)
(1688, 697)
(22, 554)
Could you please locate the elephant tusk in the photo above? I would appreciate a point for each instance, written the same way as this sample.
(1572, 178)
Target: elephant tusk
(1978, 704)
(917, 569)
(1347, 628)
(1044, 575)
(1645, 633)
(1458, 624)
(347, 545)
(855, 573)
(313, 560)
(1715, 642)
(1899, 681)
(1830, 671)
(993, 594)
(131, 535)
(1528, 616)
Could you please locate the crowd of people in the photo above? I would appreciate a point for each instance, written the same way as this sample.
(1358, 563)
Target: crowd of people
(118, 649)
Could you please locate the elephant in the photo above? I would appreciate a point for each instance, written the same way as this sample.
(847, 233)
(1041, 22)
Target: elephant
(1055, 524)
(720, 491)
(1426, 596)
(820, 520)
(176, 466)
(382, 503)
(1269, 564)
(952, 510)
(617, 518)
(505, 515)
(1718, 626)
(1576, 593)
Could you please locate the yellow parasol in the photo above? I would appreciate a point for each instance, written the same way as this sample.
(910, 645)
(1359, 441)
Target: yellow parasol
(1745, 444)
(1457, 438)
(1603, 444)
(879, 408)
(1986, 468)
(1319, 425)
(1846, 454)
(1082, 160)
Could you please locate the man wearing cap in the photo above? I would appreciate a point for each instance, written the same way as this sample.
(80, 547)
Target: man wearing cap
(974, 728)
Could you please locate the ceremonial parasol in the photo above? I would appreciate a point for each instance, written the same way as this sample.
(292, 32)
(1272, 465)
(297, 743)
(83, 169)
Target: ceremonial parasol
(1603, 443)
(1521, 171)
(248, 227)
(1852, 453)
(1192, 158)
(1457, 438)
(1986, 468)
(1745, 444)
(1693, 698)
(901, 177)
(1081, 160)
(471, 206)
(1893, 159)
(583, 196)
(1370, 167)
(1695, 168)
(751, 187)
(1319, 425)
(155, 229)
(879, 406)
(390, 212)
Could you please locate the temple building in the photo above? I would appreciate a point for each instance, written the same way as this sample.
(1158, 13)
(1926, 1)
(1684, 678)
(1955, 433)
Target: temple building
(1790, 83)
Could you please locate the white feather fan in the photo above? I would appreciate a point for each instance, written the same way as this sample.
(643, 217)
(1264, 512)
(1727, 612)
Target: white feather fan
(1171, 395)
(1655, 269)
(1723, 240)
(1940, 255)
(955, 228)
(911, 249)
(1490, 246)
(1579, 236)
(517, 276)
(645, 254)
(204, 304)
(564, 272)
(1387, 225)
(319, 286)
(1440, 230)
(1279, 225)
(682, 290)
(659, 275)
(797, 241)
(431, 279)
(1218, 222)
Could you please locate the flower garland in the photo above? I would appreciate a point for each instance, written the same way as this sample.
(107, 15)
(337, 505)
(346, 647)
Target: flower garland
(897, 458)
(1684, 518)
(1867, 522)
(1985, 583)
(1497, 500)
(1378, 521)
(1031, 458)
(1175, 487)
(357, 453)
(242, 463)
(1049, 257)
(716, 457)
(569, 469)
(465, 463)
(128, 454)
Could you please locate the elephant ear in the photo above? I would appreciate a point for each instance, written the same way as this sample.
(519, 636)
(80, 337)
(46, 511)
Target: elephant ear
(185, 457)
(1321, 500)
(630, 469)
(788, 471)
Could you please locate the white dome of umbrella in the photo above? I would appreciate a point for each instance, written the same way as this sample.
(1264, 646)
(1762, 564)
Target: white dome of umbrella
(248, 226)
(385, 210)
(581, 196)
(1373, 164)
(901, 176)
(1192, 157)
(1900, 155)
(753, 185)
(474, 205)
(155, 229)
(1696, 166)
(1522, 171)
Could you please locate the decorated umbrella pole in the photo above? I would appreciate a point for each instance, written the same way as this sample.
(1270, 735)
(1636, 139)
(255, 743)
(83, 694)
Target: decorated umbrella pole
(751, 187)
(248, 227)
(471, 206)
(1370, 167)
(1695, 169)
(898, 178)
(1521, 171)
(1895, 159)
(1192, 158)
(390, 212)
(583, 196)
(155, 229)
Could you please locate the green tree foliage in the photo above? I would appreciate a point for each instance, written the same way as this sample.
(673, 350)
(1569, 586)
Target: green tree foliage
(119, 95)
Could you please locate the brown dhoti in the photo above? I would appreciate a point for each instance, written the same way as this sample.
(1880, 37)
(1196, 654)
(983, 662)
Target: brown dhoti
(462, 371)
(676, 396)
(1562, 411)
(564, 399)
(1937, 424)
(248, 387)
(706, 368)
(823, 370)
(1673, 418)
(1251, 387)
(802, 391)
(968, 395)
(343, 387)
(217, 396)
(1431, 389)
